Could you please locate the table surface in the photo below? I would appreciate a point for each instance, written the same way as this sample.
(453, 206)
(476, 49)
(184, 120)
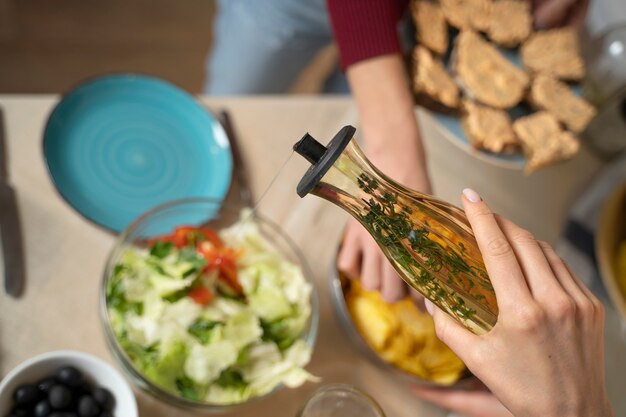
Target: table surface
(65, 254)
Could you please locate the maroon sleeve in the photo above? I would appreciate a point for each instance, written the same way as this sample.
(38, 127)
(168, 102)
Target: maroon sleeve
(365, 28)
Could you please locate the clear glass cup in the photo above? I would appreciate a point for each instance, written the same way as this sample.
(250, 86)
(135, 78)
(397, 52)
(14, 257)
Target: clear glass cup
(341, 400)
(605, 88)
(605, 57)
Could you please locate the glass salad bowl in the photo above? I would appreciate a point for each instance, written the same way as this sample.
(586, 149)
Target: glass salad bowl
(207, 307)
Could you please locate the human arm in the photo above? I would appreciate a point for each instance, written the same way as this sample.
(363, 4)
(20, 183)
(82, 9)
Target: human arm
(370, 52)
(545, 355)
(393, 144)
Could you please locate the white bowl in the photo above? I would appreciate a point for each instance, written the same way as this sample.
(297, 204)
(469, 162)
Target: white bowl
(95, 370)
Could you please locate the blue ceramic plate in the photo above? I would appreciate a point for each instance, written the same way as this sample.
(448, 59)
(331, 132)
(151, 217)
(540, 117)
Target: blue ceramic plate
(120, 145)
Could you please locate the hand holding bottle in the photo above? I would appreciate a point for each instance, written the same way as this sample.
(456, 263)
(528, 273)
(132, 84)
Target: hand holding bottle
(545, 355)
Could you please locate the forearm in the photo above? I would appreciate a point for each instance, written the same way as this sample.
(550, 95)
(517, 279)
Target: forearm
(386, 108)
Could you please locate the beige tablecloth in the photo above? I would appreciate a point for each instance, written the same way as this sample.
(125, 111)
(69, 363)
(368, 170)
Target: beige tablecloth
(65, 253)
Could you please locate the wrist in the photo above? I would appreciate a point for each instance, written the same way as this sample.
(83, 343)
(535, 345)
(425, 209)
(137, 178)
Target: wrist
(401, 158)
(381, 89)
(383, 137)
(389, 124)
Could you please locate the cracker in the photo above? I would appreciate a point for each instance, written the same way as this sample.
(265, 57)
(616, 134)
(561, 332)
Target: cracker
(485, 75)
(432, 81)
(543, 141)
(510, 22)
(467, 14)
(487, 128)
(555, 52)
(431, 27)
(548, 93)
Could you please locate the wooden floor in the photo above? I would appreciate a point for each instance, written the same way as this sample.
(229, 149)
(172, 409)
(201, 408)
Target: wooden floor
(51, 46)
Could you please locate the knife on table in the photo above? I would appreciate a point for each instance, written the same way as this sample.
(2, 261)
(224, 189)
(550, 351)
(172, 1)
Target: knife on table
(10, 227)
(240, 171)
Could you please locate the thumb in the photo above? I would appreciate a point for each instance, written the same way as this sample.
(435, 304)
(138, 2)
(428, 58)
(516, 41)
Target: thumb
(450, 332)
(470, 403)
(552, 13)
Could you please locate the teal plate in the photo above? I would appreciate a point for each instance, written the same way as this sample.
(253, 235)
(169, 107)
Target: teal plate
(120, 145)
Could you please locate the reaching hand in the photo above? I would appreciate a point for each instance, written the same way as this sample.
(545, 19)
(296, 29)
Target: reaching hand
(554, 13)
(544, 356)
(360, 256)
(393, 144)
(477, 401)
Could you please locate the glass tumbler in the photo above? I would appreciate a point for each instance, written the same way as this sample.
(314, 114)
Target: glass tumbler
(341, 400)
(605, 58)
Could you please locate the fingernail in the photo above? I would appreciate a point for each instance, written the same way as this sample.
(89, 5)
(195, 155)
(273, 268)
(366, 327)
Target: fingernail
(471, 195)
(430, 307)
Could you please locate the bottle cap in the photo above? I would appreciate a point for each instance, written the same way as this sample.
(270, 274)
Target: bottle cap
(321, 157)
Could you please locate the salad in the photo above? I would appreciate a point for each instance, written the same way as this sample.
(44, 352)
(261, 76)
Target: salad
(212, 317)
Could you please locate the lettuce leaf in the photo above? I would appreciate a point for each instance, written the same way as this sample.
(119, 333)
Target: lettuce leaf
(204, 364)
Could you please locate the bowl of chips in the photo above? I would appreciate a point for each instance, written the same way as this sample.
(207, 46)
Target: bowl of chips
(395, 336)
(610, 248)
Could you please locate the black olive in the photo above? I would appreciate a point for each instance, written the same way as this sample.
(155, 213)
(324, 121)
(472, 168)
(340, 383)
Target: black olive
(19, 412)
(70, 376)
(45, 384)
(26, 394)
(43, 409)
(79, 391)
(104, 398)
(59, 397)
(88, 407)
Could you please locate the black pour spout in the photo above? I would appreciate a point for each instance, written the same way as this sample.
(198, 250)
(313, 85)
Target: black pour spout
(321, 157)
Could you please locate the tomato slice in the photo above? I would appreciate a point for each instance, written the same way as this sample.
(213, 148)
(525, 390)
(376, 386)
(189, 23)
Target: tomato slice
(190, 236)
(229, 275)
(208, 244)
(201, 295)
(223, 260)
(211, 236)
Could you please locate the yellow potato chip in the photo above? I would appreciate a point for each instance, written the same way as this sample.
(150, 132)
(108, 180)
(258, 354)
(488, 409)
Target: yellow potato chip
(446, 378)
(400, 346)
(375, 323)
(403, 336)
(418, 324)
(413, 365)
(436, 355)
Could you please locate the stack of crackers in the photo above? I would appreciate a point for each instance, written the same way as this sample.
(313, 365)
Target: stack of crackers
(481, 85)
